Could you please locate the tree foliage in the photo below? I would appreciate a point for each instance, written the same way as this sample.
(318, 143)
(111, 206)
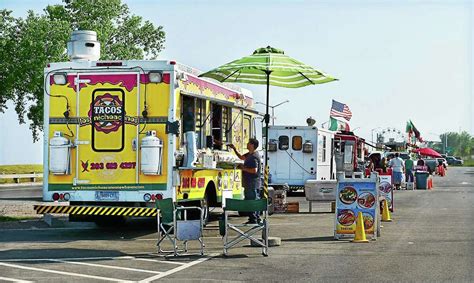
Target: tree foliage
(458, 144)
(29, 44)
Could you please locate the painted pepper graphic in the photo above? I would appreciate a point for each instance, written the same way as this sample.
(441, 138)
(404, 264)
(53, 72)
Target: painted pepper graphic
(85, 166)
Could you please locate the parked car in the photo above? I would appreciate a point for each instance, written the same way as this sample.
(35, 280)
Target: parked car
(458, 161)
(454, 161)
(450, 160)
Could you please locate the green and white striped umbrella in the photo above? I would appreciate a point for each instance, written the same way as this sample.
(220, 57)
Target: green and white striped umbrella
(268, 66)
(254, 69)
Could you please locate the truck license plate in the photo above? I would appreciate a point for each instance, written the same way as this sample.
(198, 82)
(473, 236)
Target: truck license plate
(107, 196)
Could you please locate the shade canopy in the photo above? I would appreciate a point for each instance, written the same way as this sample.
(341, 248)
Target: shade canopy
(284, 71)
(426, 151)
(268, 66)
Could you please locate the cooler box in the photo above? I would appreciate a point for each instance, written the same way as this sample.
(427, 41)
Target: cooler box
(320, 190)
(421, 178)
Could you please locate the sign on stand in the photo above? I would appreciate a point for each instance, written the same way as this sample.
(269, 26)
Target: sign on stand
(356, 195)
(386, 189)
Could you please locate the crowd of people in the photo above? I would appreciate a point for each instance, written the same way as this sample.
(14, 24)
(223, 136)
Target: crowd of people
(400, 167)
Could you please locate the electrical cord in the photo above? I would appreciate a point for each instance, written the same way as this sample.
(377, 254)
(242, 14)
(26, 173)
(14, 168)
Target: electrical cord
(299, 164)
(144, 126)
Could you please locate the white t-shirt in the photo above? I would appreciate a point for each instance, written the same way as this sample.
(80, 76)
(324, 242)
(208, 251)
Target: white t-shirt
(396, 164)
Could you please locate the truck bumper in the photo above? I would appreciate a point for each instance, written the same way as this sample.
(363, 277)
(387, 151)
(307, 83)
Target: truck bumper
(96, 210)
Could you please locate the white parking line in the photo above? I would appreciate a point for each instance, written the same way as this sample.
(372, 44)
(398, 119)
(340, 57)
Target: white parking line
(179, 268)
(62, 272)
(14, 280)
(92, 258)
(106, 266)
(159, 261)
(67, 258)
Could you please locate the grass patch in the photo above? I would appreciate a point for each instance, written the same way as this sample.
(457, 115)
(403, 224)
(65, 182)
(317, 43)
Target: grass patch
(469, 163)
(14, 218)
(20, 169)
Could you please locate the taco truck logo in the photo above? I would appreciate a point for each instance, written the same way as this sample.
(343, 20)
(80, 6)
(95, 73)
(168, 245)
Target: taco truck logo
(106, 113)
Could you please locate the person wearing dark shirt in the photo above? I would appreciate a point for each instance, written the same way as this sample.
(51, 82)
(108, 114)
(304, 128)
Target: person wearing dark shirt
(250, 174)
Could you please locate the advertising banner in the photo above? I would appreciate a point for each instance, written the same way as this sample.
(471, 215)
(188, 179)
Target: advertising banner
(354, 196)
(386, 190)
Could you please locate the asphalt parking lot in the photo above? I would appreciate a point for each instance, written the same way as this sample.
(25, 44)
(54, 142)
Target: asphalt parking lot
(430, 240)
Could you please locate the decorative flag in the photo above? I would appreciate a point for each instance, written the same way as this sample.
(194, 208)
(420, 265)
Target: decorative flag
(338, 125)
(411, 129)
(339, 109)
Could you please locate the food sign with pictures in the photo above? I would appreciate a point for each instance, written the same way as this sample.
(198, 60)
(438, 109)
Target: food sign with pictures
(352, 198)
(386, 190)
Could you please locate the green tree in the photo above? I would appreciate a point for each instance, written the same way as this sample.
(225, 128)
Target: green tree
(29, 44)
(464, 145)
(460, 144)
(438, 146)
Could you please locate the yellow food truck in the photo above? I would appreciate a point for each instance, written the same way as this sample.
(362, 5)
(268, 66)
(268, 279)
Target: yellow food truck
(114, 135)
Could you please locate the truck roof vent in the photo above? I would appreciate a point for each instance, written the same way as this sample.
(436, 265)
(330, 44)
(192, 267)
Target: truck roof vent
(83, 45)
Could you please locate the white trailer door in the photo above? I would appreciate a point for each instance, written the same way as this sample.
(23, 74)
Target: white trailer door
(280, 160)
(302, 165)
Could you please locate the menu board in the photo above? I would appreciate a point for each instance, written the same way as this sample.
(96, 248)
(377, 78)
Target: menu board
(352, 198)
(386, 190)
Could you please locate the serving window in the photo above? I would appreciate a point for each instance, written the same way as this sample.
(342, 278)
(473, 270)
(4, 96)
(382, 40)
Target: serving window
(193, 112)
(226, 124)
(220, 126)
(247, 128)
(200, 114)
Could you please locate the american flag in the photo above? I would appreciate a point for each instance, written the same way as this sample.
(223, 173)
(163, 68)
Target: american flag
(340, 110)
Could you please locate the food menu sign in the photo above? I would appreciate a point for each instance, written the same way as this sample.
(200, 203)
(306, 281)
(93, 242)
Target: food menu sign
(386, 190)
(354, 197)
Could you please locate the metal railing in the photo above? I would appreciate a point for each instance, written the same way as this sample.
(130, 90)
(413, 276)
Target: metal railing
(16, 177)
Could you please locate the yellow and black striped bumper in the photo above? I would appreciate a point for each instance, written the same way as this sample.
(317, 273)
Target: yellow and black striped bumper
(96, 210)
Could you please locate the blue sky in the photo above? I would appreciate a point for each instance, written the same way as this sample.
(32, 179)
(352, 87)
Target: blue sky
(396, 60)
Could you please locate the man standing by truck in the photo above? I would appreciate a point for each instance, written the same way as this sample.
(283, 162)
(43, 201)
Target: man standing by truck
(250, 174)
(398, 167)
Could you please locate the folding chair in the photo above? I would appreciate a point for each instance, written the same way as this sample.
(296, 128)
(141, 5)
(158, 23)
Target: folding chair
(175, 228)
(246, 231)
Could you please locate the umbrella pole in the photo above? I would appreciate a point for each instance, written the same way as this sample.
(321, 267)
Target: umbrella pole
(267, 120)
(267, 116)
